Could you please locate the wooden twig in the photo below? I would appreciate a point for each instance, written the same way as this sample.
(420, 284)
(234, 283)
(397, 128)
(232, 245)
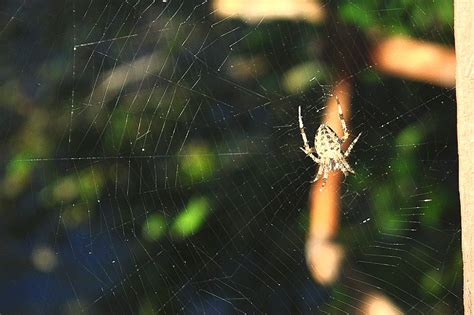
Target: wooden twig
(412, 59)
(323, 255)
(254, 11)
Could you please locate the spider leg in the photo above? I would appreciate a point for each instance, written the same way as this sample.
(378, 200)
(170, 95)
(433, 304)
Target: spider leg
(348, 151)
(343, 123)
(311, 155)
(325, 178)
(343, 166)
(307, 148)
(346, 167)
(318, 176)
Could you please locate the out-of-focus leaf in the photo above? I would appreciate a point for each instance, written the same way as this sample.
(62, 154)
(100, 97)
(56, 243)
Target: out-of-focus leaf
(85, 186)
(146, 308)
(357, 14)
(434, 207)
(445, 11)
(299, 78)
(66, 189)
(122, 128)
(197, 162)
(398, 17)
(385, 210)
(75, 215)
(91, 182)
(29, 144)
(17, 174)
(190, 220)
(431, 282)
(370, 76)
(154, 227)
(403, 166)
(409, 138)
(244, 68)
(358, 179)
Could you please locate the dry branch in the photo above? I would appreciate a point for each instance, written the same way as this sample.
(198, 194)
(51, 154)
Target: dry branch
(324, 256)
(416, 60)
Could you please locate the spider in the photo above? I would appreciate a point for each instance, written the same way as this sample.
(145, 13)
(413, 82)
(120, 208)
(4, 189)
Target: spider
(327, 146)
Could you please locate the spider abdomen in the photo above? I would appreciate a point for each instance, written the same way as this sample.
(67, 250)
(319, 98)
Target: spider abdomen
(326, 142)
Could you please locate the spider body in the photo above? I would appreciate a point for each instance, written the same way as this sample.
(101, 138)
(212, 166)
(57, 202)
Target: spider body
(328, 148)
(326, 142)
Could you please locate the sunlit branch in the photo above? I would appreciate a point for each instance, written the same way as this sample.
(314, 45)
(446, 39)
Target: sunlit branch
(416, 60)
(253, 11)
(324, 256)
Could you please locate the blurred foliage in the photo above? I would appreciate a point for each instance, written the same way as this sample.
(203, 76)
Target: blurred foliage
(154, 227)
(409, 17)
(301, 77)
(197, 162)
(82, 186)
(191, 218)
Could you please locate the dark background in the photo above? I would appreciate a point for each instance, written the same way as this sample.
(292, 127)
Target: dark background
(150, 162)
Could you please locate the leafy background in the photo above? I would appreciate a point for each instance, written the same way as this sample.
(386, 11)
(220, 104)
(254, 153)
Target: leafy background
(159, 190)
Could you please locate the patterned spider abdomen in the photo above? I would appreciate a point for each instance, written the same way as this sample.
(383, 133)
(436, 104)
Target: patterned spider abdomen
(326, 142)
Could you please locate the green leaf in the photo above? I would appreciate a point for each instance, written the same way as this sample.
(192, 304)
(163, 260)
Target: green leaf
(299, 78)
(86, 185)
(190, 220)
(154, 227)
(431, 282)
(355, 13)
(385, 206)
(409, 138)
(121, 129)
(445, 11)
(435, 205)
(198, 162)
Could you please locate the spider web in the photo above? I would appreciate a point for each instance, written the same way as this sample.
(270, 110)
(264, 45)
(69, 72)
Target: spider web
(169, 177)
